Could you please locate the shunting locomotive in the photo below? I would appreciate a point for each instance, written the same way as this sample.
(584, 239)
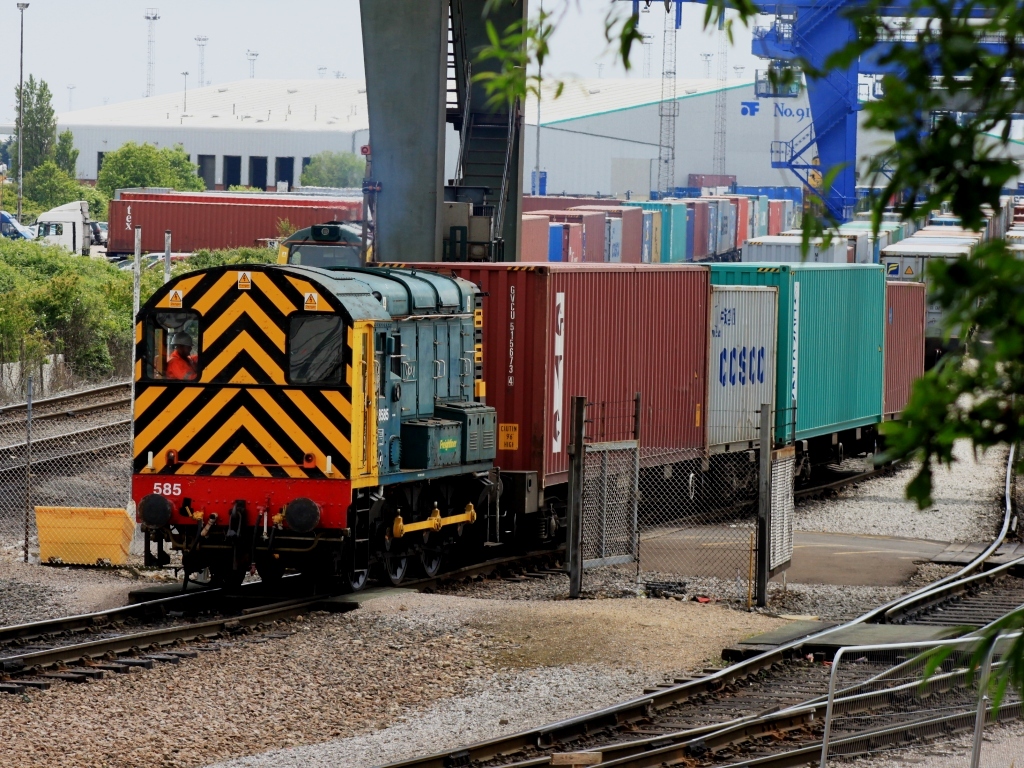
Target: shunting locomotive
(290, 417)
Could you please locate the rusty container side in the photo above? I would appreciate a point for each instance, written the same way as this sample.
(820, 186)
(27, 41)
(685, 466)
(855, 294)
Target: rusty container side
(534, 203)
(207, 225)
(905, 306)
(632, 228)
(592, 232)
(535, 240)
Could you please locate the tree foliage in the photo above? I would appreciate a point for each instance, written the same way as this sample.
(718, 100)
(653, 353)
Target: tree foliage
(40, 125)
(50, 186)
(334, 169)
(64, 153)
(143, 165)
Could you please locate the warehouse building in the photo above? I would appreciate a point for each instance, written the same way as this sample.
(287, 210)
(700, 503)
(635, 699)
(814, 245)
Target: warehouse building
(251, 132)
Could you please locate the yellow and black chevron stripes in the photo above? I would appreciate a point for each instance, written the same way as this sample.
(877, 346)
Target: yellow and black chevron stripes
(768, 270)
(242, 431)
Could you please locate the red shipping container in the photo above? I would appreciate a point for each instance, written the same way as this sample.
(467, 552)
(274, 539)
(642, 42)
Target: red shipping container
(207, 225)
(572, 244)
(710, 180)
(355, 205)
(742, 218)
(534, 203)
(593, 223)
(632, 228)
(776, 214)
(535, 240)
(905, 307)
(602, 331)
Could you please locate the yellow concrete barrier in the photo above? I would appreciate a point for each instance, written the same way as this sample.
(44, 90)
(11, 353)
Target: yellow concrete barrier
(84, 535)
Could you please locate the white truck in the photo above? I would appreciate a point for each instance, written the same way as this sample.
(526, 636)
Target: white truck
(67, 225)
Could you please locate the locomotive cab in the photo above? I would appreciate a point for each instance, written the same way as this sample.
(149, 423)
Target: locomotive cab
(322, 420)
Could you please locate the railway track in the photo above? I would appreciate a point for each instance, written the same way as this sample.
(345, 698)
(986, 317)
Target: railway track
(767, 710)
(88, 646)
(70, 404)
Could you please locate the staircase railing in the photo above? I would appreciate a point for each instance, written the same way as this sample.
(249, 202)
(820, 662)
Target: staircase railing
(513, 122)
(464, 134)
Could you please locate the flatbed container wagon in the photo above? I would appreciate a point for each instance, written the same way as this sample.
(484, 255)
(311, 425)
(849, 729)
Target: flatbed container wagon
(829, 374)
(604, 332)
(196, 225)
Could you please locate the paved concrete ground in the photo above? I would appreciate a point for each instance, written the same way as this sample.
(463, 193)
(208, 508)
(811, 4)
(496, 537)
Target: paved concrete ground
(818, 558)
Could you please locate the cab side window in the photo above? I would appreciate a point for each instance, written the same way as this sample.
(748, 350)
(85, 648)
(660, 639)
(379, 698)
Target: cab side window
(172, 347)
(315, 347)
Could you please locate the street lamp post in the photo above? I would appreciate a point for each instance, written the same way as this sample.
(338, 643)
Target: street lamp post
(184, 99)
(21, 110)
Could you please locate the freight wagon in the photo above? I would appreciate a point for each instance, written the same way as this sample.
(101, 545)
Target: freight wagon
(830, 360)
(196, 225)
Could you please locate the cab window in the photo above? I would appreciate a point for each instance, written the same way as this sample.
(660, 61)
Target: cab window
(325, 256)
(315, 346)
(51, 228)
(172, 347)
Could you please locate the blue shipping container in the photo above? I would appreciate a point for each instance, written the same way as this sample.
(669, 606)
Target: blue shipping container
(673, 228)
(555, 241)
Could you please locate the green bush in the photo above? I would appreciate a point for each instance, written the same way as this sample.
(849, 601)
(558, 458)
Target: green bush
(143, 165)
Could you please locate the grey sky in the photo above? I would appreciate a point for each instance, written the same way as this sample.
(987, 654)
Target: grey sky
(100, 45)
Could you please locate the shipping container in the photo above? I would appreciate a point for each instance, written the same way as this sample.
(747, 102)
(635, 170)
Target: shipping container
(904, 342)
(632, 228)
(908, 261)
(535, 240)
(743, 340)
(789, 248)
(656, 237)
(712, 228)
(556, 236)
(710, 180)
(673, 228)
(593, 229)
(534, 203)
(604, 332)
(776, 210)
(689, 233)
(725, 241)
(208, 225)
(352, 204)
(789, 219)
(613, 240)
(648, 237)
(701, 238)
(762, 216)
(742, 220)
(830, 349)
(572, 245)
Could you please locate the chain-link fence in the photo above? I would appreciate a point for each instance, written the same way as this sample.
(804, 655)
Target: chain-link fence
(902, 700)
(65, 472)
(52, 375)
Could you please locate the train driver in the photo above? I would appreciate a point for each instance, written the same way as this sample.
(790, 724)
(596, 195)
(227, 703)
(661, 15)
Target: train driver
(181, 363)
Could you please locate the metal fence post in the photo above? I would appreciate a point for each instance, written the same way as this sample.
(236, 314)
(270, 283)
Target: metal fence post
(828, 708)
(167, 256)
(764, 506)
(28, 463)
(635, 501)
(983, 700)
(577, 452)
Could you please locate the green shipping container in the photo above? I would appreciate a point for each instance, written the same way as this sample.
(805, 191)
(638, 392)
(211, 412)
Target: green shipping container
(673, 228)
(831, 343)
(762, 216)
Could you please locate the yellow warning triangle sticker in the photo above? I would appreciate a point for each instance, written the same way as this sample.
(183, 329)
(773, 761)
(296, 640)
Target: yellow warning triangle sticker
(908, 271)
(175, 299)
(309, 304)
(244, 281)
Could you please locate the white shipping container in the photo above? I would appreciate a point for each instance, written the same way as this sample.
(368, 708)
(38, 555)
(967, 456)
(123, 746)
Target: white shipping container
(788, 248)
(741, 373)
(613, 240)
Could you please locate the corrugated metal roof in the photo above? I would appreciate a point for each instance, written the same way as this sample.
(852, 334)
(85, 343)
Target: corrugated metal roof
(307, 105)
(591, 97)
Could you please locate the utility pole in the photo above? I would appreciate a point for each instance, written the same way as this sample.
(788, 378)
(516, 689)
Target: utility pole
(184, 98)
(668, 108)
(152, 16)
(201, 42)
(535, 186)
(252, 56)
(71, 89)
(21, 110)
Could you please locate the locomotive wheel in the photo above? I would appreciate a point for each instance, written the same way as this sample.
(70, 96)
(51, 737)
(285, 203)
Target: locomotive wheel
(396, 566)
(270, 571)
(430, 557)
(227, 577)
(357, 580)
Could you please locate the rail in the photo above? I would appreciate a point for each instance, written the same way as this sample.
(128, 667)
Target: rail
(70, 396)
(644, 706)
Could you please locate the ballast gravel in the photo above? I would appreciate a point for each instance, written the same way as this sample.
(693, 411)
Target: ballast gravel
(327, 678)
(968, 502)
